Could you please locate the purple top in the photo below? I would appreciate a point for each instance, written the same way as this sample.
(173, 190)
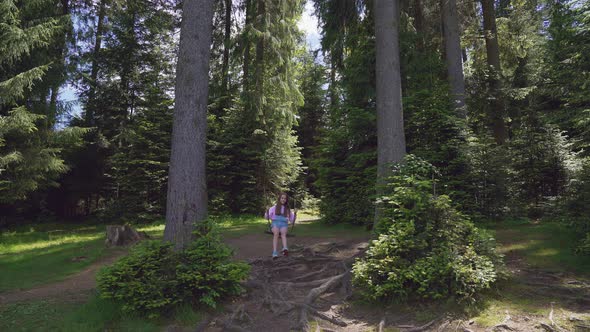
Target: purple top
(270, 214)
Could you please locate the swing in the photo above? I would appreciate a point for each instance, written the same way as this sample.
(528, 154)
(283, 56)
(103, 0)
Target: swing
(290, 233)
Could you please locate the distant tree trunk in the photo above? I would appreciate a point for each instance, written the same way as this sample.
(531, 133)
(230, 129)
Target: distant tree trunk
(226, 45)
(419, 24)
(94, 66)
(259, 79)
(332, 90)
(391, 143)
(493, 59)
(246, 64)
(187, 185)
(453, 55)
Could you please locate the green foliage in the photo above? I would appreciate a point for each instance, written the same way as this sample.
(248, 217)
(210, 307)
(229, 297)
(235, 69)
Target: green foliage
(568, 50)
(31, 151)
(140, 166)
(541, 164)
(121, 171)
(252, 148)
(576, 204)
(347, 155)
(153, 278)
(486, 180)
(424, 247)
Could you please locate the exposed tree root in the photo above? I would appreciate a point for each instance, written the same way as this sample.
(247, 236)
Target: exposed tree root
(229, 326)
(423, 327)
(548, 327)
(381, 324)
(307, 283)
(501, 327)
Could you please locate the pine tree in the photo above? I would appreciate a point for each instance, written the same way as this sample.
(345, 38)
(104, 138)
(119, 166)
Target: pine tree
(30, 147)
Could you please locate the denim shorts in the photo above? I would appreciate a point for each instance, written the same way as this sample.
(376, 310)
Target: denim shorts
(280, 222)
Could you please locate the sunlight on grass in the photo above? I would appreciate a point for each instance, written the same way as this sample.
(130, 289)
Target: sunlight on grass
(95, 315)
(546, 245)
(516, 246)
(498, 310)
(8, 248)
(45, 253)
(547, 252)
(155, 230)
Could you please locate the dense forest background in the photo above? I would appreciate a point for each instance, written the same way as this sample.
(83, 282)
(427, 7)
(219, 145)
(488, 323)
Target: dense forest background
(496, 95)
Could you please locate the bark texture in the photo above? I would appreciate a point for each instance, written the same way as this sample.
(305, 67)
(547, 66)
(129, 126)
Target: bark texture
(187, 186)
(493, 58)
(390, 124)
(453, 55)
(391, 143)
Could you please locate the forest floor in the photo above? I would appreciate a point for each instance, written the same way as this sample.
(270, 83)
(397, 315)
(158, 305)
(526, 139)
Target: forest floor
(310, 290)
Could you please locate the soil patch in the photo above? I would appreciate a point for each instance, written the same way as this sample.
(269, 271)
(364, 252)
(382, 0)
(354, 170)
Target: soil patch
(311, 283)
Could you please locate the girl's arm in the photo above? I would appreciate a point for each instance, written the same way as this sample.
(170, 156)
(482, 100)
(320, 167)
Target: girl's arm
(270, 213)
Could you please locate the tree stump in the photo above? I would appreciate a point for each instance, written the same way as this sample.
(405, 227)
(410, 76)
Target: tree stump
(121, 235)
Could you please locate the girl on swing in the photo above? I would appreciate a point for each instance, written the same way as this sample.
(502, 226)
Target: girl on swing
(281, 216)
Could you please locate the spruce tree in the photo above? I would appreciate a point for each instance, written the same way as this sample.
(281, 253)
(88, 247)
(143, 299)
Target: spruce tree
(30, 147)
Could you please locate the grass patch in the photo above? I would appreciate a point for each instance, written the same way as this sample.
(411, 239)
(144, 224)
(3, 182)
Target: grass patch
(307, 224)
(186, 315)
(46, 253)
(95, 315)
(547, 246)
(544, 245)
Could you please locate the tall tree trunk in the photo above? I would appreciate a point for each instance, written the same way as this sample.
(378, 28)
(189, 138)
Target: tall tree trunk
(391, 143)
(61, 51)
(94, 70)
(246, 64)
(187, 185)
(226, 45)
(453, 55)
(493, 59)
(259, 79)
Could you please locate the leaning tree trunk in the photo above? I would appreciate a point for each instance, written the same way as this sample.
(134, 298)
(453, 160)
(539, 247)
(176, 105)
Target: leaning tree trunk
(187, 186)
(391, 143)
(453, 55)
(493, 58)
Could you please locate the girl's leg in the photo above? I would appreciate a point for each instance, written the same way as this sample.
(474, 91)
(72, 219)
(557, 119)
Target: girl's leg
(275, 239)
(284, 236)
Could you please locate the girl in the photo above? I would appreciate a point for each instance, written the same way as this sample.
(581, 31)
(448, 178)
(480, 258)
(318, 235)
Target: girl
(281, 215)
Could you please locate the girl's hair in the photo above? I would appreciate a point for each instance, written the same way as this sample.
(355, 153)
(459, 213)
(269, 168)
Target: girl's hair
(287, 211)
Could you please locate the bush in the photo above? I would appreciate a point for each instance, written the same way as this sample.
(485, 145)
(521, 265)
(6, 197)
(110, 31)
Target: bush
(153, 278)
(425, 248)
(576, 204)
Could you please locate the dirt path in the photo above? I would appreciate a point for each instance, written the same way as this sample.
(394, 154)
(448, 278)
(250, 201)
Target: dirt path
(75, 288)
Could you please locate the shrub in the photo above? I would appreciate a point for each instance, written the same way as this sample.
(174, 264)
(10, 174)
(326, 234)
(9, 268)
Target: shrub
(153, 278)
(576, 204)
(425, 248)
